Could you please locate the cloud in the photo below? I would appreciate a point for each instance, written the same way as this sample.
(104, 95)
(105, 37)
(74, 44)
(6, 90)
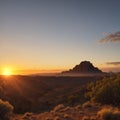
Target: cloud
(113, 63)
(113, 37)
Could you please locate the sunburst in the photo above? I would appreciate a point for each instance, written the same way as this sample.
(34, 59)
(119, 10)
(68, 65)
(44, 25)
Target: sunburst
(7, 71)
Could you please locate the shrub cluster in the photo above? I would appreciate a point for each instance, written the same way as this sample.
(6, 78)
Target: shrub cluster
(106, 91)
(6, 110)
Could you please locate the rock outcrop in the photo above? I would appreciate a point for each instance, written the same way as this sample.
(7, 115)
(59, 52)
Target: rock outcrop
(85, 67)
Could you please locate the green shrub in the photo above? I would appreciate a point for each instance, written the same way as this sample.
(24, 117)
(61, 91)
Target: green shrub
(6, 110)
(106, 91)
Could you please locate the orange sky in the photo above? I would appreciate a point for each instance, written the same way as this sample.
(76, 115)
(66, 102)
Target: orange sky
(23, 71)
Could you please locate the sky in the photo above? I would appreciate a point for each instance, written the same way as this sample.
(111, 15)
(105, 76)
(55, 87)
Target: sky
(55, 35)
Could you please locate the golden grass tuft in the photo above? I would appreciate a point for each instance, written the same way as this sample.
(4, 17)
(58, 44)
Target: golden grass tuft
(109, 113)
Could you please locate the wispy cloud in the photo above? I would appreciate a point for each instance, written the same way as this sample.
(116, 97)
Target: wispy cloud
(113, 37)
(113, 63)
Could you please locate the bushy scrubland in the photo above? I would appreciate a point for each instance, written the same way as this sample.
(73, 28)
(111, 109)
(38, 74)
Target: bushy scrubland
(106, 91)
(69, 100)
(79, 112)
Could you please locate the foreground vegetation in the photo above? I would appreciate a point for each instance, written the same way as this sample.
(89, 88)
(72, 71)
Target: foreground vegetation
(6, 110)
(105, 91)
(87, 111)
(60, 98)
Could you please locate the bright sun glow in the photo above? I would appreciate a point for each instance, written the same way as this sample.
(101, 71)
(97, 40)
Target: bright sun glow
(7, 71)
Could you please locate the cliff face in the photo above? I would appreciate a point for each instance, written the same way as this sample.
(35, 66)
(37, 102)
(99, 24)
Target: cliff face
(84, 67)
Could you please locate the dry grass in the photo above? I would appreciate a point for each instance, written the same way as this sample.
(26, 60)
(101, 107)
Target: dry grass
(109, 113)
(59, 107)
(61, 112)
(87, 105)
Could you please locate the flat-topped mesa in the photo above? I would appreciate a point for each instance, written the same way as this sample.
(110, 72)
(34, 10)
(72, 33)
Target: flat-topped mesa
(84, 67)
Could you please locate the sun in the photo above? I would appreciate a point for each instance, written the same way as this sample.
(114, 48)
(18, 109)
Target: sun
(7, 71)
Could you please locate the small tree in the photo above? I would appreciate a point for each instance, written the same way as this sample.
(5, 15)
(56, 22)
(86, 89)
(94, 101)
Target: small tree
(6, 110)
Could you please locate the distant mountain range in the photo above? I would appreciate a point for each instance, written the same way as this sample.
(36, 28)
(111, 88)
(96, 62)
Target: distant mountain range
(85, 67)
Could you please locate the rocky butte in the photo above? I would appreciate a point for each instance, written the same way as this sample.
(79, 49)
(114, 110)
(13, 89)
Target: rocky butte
(84, 68)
